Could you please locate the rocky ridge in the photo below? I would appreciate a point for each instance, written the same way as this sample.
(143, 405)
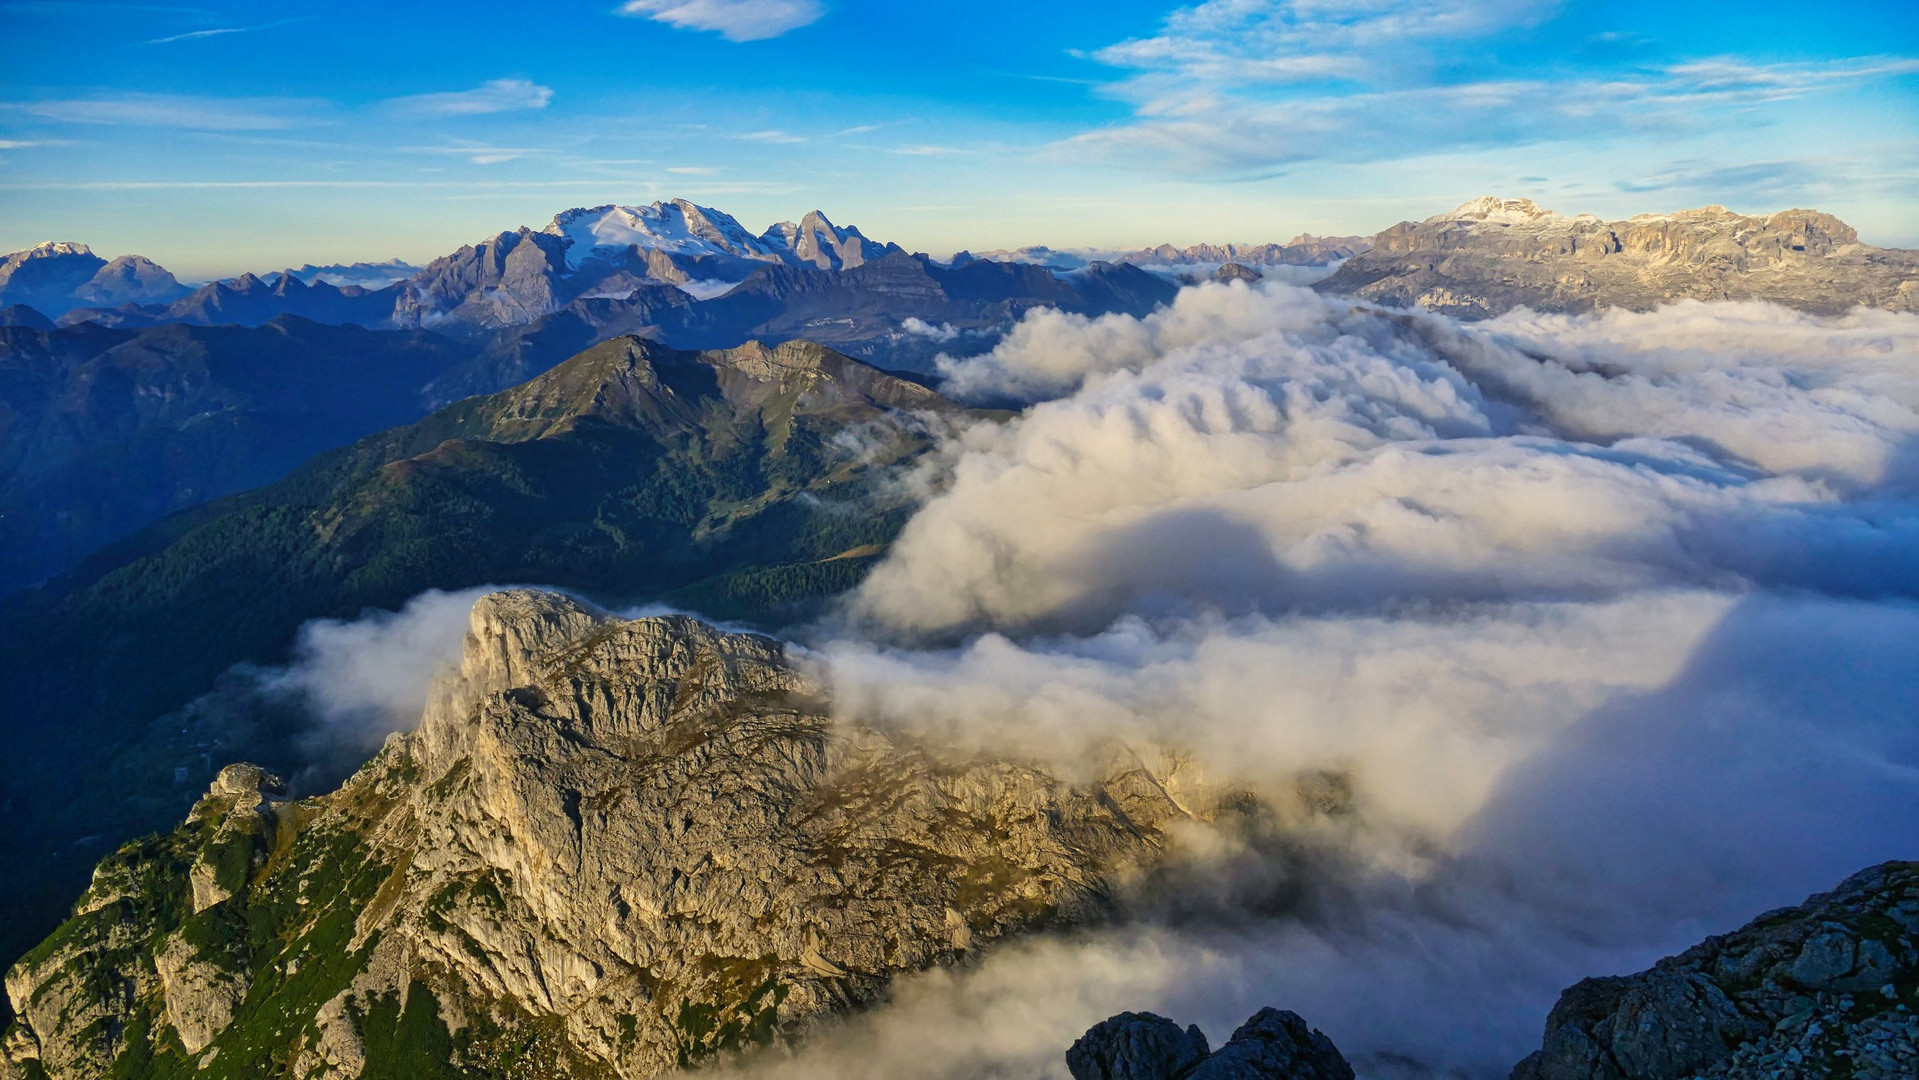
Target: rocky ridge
(1273, 1045)
(1492, 255)
(609, 849)
(1829, 988)
(1302, 250)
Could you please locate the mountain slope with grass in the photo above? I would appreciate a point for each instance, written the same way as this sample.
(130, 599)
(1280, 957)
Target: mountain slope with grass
(729, 479)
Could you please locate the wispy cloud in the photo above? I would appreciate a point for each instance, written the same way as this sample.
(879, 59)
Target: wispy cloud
(1302, 40)
(735, 20)
(219, 31)
(171, 110)
(1240, 88)
(772, 136)
(479, 153)
(495, 96)
(1758, 179)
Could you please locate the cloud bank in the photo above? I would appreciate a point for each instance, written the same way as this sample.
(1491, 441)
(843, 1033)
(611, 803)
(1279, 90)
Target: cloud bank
(1607, 626)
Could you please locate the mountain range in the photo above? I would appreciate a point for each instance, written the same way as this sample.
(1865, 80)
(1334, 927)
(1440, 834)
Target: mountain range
(1491, 255)
(515, 277)
(1302, 250)
(105, 428)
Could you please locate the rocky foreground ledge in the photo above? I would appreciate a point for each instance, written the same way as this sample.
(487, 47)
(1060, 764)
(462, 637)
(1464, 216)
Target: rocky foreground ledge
(1828, 989)
(1273, 1045)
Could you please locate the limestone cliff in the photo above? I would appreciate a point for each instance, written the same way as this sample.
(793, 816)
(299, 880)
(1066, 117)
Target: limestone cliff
(1492, 255)
(609, 848)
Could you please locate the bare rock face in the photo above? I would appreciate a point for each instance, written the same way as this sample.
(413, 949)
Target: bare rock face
(610, 849)
(1492, 255)
(1233, 271)
(1826, 989)
(1136, 1046)
(1273, 1045)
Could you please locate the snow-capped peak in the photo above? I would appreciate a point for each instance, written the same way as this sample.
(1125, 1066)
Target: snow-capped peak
(1499, 211)
(57, 247)
(677, 227)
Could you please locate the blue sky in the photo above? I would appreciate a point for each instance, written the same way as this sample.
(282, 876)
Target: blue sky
(225, 137)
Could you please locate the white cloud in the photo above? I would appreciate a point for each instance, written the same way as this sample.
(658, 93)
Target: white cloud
(363, 678)
(497, 95)
(735, 20)
(919, 327)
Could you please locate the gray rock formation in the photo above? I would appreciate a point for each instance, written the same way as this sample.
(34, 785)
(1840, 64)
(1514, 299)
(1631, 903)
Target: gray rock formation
(610, 848)
(815, 241)
(1302, 250)
(1136, 1046)
(1273, 1045)
(1826, 989)
(1233, 271)
(1492, 255)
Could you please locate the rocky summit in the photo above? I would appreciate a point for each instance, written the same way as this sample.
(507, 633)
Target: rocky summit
(610, 848)
(1826, 989)
(1492, 255)
(1273, 1045)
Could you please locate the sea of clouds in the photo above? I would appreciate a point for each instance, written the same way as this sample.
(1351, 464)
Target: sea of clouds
(1608, 624)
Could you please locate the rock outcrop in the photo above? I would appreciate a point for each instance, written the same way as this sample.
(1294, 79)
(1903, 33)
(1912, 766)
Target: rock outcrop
(1492, 255)
(1273, 1045)
(1825, 989)
(815, 241)
(610, 849)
